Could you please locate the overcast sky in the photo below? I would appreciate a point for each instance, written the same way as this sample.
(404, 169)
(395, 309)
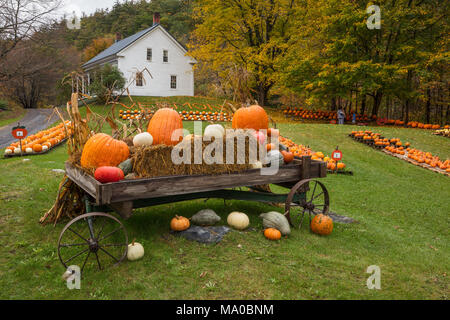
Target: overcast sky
(86, 6)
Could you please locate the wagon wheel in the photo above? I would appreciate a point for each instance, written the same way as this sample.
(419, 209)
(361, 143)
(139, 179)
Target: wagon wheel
(314, 199)
(93, 239)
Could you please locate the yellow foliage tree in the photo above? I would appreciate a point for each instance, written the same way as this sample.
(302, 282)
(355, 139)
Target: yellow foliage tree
(250, 35)
(98, 45)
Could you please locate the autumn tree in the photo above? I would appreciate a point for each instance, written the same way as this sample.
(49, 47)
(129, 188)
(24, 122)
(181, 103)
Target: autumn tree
(251, 35)
(98, 45)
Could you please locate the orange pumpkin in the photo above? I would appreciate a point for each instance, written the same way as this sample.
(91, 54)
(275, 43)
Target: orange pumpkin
(37, 148)
(322, 224)
(180, 223)
(272, 234)
(162, 126)
(288, 156)
(102, 150)
(253, 117)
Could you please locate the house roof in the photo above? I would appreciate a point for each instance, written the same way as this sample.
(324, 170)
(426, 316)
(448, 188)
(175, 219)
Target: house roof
(122, 44)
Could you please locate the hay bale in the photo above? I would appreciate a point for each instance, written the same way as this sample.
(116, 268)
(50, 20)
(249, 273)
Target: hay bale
(156, 161)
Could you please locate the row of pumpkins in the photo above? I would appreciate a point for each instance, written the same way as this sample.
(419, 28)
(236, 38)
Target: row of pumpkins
(185, 115)
(318, 115)
(110, 157)
(396, 146)
(275, 226)
(41, 141)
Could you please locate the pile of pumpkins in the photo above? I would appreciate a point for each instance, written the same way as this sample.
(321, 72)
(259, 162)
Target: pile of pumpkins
(301, 150)
(110, 157)
(419, 125)
(428, 158)
(275, 225)
(40, 142)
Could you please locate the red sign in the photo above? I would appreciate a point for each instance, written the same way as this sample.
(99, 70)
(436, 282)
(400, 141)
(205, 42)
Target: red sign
(19, 132)
(336, 155)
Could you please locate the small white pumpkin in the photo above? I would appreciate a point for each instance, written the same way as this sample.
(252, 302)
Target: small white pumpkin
(8, 151)
(29, 150)
(215, 130)
(238, 220)
(44, 148)
(143, 139)
(135, 251)
(17, 151)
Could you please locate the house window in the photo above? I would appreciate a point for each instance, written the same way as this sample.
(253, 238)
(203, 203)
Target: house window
(173, 82)
(139, 80)
(165, 56)
(149, 54)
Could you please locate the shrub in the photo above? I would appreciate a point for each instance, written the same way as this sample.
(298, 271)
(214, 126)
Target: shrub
(106, 79)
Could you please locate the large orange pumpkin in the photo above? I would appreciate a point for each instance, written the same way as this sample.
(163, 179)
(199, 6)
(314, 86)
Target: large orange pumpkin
(253, 117)
(322, 224)
(163, 124)
(103, 150)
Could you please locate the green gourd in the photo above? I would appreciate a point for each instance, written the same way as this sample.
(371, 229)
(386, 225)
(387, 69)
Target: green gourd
(277, 221)
(126, 166)
(205, 217)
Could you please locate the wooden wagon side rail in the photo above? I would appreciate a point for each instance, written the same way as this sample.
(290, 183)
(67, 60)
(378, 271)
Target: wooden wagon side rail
(130, 190)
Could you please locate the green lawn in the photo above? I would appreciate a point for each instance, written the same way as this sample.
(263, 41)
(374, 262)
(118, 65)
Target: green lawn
(402, 213)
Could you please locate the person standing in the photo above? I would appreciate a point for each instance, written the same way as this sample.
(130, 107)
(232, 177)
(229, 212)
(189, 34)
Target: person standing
(354, 118)
(341, 116)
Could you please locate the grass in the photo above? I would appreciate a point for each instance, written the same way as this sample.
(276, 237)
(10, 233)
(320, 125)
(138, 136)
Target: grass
(401, 209)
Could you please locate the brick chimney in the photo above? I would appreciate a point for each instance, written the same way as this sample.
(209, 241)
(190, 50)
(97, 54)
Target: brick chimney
(118, 36)
(156, 18)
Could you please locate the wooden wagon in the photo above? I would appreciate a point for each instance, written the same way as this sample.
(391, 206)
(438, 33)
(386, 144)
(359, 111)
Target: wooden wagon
(93, 233)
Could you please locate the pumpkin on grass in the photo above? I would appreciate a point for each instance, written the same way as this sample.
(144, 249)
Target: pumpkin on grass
(135, 251)
(322, 224)
(163, 125)
(103, 150)
(272, 234)
(253, 117)
(180, 223)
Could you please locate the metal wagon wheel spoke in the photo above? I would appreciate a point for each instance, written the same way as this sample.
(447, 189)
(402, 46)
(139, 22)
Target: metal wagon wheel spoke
(90, 228)
(314, 200)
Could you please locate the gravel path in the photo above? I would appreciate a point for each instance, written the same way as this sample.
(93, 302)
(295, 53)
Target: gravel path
(35, 120)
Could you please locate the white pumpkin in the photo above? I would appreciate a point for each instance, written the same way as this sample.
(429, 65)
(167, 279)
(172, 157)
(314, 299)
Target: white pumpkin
(44, 148)
(143, 139)
(8, 151)
(29, 150)
(238, 220)
(135, 251)
(215, 130)
(17, 151)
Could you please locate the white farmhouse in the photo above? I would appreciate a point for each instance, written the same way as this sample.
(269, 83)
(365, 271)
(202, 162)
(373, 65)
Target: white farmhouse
(156, 50)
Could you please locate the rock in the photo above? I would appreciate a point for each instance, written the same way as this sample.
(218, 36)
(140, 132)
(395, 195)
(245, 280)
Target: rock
(203, 234)
(206, 217)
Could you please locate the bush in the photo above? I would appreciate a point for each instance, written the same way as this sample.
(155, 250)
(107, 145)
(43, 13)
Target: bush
(106, 79)
(4, 105)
